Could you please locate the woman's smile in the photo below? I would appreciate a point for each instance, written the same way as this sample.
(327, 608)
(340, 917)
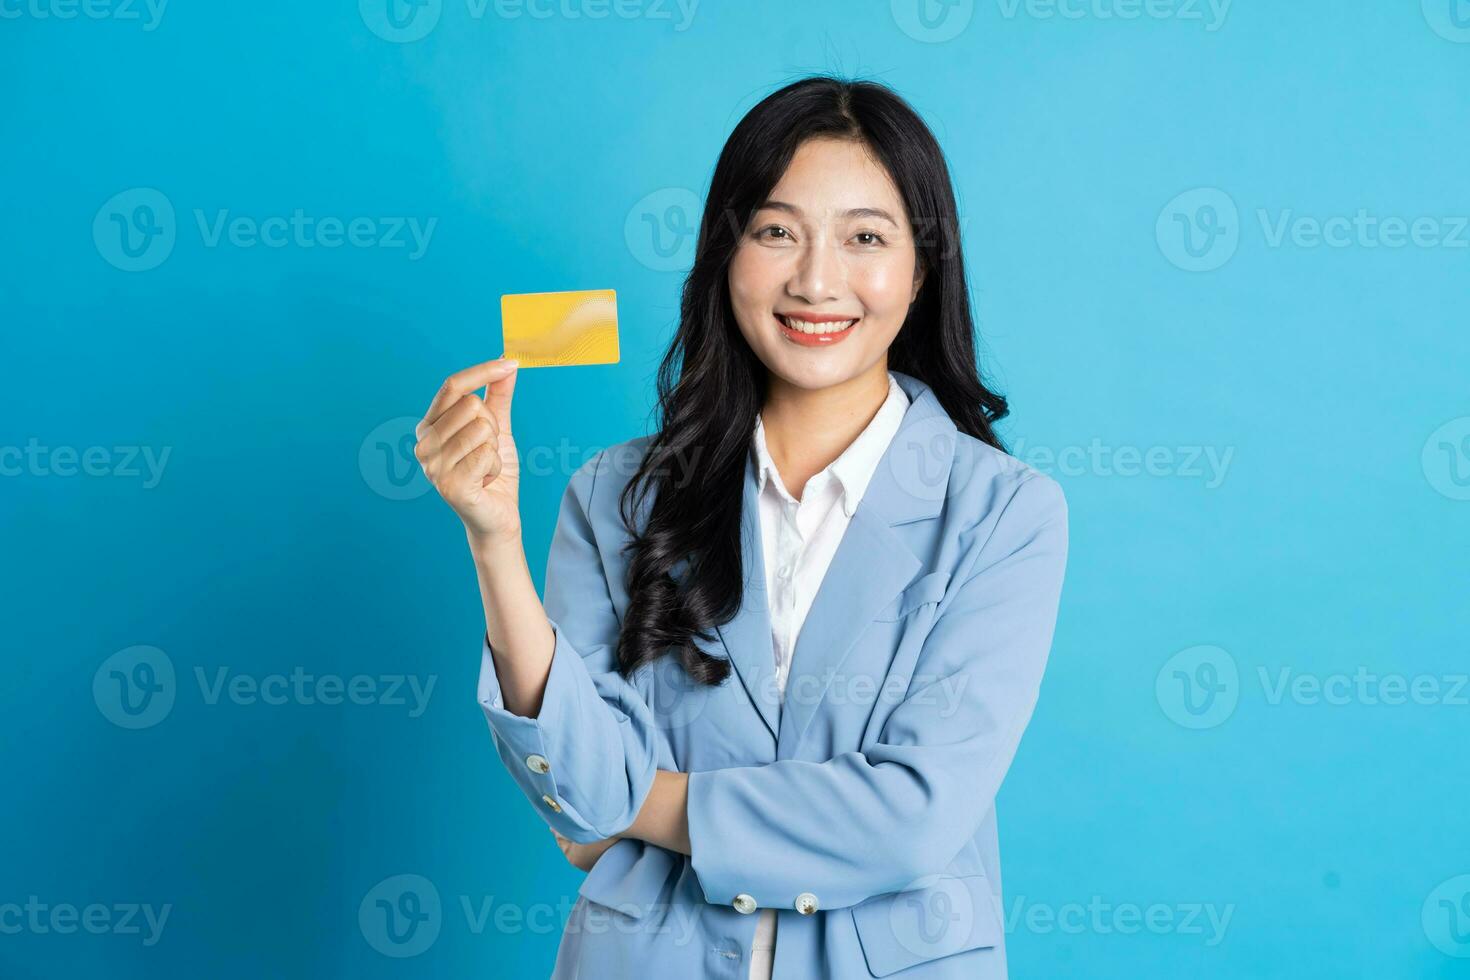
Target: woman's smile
(815, 329)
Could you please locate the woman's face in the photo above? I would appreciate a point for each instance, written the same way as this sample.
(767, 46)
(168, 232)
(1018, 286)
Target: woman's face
(832, 243)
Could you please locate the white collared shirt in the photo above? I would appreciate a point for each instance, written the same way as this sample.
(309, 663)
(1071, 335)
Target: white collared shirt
(800, 539)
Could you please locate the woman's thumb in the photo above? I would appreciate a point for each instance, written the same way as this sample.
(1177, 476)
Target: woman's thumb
(498, 396)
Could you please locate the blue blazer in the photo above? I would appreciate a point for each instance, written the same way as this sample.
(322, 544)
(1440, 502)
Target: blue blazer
(862, 807)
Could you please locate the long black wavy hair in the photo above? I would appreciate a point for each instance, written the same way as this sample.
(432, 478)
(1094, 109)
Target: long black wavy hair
(711, 386)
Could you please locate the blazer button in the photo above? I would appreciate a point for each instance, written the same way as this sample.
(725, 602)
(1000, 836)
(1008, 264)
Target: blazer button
(744, 904)
(551, 803)
(806, 903)
(537, 763)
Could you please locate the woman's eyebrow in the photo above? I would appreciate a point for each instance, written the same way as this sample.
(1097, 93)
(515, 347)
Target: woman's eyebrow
(851, 212)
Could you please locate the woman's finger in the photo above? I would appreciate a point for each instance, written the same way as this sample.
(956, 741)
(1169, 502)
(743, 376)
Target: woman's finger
(461, 383)
(476, 433)
(454, 418)
(470, 472)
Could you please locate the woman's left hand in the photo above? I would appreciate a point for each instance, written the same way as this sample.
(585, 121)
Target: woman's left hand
(583, 856)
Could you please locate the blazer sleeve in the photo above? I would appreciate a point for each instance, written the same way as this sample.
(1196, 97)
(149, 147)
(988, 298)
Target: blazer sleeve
(904, 807)
(593, 748)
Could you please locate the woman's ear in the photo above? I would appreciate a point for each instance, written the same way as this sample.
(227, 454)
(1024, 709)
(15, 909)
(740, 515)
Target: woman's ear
(918, 280)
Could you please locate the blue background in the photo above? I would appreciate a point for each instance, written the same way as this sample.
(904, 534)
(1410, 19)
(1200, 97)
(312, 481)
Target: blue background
(277, 535)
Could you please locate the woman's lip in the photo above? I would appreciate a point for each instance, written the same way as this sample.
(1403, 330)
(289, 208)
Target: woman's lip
(814, 339)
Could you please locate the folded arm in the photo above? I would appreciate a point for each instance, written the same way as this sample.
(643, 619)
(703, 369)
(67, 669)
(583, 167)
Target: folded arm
(871, 822)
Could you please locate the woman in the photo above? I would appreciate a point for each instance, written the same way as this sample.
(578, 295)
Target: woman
(750, 804)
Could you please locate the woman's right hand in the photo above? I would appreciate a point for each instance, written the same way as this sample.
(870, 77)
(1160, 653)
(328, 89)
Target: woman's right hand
(466, 450)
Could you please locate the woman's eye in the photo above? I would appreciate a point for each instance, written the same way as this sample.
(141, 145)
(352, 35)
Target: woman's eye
(873, 236)
(773, 228)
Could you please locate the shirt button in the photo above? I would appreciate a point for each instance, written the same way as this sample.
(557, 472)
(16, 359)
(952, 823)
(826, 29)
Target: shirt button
(551, 803)
(784, 571)
(744, 904)
(806, 903)
(537, 763)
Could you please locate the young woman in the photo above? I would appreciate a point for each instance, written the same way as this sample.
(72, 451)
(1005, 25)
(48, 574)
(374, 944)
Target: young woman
(790, 641)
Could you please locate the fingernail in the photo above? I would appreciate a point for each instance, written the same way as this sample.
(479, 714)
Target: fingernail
(512, 364)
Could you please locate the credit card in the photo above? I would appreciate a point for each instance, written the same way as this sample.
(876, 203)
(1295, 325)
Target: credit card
(557, 329)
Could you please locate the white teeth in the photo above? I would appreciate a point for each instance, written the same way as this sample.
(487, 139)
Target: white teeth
(805, 327)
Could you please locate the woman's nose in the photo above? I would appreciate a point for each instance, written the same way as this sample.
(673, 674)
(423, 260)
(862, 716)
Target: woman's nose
(819, 275)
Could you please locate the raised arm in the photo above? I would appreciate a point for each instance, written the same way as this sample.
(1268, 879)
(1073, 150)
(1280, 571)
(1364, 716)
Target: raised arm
(586, 752)
(576, 737)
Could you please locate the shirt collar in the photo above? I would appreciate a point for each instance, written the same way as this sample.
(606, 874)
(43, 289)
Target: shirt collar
(855, 467)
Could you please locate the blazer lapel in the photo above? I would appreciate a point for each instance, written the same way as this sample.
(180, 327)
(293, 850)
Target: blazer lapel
(873, 562)
(747, 637)
(871, 566)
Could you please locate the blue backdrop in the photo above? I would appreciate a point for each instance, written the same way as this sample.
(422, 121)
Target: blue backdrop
(1219, 256)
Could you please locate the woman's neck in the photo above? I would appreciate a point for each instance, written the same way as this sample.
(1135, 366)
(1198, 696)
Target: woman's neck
(806, 429)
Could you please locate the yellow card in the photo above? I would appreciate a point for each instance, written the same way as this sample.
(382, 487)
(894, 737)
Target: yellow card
(553, 329)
